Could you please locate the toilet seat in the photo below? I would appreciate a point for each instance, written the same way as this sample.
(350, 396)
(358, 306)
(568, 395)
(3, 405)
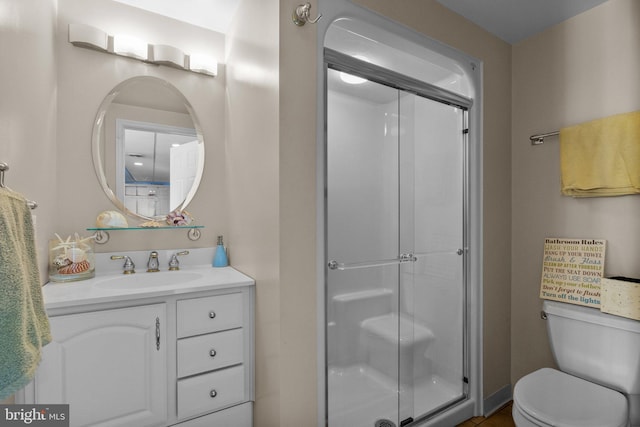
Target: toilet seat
(548, 397)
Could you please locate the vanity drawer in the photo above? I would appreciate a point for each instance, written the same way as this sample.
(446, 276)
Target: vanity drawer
(236, 416)
(210, 392)
(203, 315)
(208, 352)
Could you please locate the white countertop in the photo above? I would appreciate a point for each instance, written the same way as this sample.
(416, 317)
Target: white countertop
(106, 288)
(90, 291)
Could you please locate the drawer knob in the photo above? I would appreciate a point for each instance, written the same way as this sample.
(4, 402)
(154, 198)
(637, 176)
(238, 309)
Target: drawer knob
(212, 353)
(213, 393)
(212, 315)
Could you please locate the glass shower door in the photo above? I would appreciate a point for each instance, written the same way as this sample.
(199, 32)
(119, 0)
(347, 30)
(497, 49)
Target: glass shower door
(432, 288)
(363, 242)
(395, 298)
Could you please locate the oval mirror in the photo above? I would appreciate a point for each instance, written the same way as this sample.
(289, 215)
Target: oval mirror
(148, 149)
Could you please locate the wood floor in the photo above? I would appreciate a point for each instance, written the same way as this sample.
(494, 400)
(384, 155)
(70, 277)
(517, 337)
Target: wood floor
(500, 418)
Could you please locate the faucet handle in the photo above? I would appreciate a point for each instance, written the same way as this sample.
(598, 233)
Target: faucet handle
(174, 264)
(128, 267)
(153, 265)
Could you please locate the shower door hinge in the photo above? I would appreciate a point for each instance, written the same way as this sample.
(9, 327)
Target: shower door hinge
(465, 380)
(405, 422)
(465, 131)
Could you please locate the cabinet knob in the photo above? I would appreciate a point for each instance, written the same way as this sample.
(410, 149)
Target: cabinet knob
(213, 393)
(212, 315)
(212, 353)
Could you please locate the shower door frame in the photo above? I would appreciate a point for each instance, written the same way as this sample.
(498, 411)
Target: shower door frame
(338, 61)
(471, 70)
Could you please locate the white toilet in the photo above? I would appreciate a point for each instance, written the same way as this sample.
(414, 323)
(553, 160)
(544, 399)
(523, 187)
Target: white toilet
(599, 386)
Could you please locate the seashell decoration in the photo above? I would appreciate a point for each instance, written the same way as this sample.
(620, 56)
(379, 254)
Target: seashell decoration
(152, 224)
(179, 217)
(61, 261)
(111, 219)
(75, 268)
(76, 255)
(71, 258)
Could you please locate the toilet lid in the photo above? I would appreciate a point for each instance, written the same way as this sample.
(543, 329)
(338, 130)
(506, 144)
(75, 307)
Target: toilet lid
(562, 400)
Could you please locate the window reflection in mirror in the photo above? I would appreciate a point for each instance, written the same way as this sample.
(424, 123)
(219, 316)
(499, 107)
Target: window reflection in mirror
(156, 166)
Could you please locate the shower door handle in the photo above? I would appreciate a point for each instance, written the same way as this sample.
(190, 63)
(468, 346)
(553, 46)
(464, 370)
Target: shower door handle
(407, 258)
(403, 258)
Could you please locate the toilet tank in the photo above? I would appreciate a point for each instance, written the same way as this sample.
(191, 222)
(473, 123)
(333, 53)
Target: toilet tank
(596, 346)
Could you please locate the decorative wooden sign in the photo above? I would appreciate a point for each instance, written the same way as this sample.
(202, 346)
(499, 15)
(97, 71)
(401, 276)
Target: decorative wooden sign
(572, 270)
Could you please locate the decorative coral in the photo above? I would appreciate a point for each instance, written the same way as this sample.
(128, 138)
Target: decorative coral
(179, 217)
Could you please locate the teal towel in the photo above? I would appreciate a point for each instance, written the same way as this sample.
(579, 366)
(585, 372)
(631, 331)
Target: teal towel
(24, 326)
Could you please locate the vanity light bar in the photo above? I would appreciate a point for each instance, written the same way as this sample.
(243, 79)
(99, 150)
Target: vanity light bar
(203, 64)
(167, 55)
(89, 37)
(131, 47)
(86, 36)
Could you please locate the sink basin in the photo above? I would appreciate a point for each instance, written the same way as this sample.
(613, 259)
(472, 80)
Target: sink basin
(148, 280)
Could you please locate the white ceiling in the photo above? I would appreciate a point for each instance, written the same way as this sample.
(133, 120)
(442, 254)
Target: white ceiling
(211, 14)
(516, 20)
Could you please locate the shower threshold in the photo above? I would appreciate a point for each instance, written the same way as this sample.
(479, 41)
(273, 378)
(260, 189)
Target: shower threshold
(360, 395)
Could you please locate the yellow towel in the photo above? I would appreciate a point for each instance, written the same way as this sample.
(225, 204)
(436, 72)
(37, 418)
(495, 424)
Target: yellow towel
(601, 157)
(24, 326)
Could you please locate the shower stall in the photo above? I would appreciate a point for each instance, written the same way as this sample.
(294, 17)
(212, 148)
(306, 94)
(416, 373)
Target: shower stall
(398, 294)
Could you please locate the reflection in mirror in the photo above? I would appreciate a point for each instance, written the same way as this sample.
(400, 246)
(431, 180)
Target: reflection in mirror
(148, 151)
(155, 166)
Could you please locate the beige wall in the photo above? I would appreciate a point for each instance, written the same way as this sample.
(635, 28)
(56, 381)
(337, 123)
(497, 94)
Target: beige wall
(298, 280)
(271, 144)
(28, 109)
(437, 22)
(85, 77)
(252, 166)
(579, 70)
(271, 150)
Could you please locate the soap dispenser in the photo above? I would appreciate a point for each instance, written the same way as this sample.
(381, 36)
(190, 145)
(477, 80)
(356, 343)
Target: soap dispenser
(220, 257)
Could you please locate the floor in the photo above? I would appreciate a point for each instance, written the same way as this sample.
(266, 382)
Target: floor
(501, 418)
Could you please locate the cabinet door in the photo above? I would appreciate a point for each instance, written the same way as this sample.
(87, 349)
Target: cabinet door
(107, 365)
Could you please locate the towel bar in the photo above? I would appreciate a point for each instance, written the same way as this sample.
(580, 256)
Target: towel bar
(5, 167)
(539, 138)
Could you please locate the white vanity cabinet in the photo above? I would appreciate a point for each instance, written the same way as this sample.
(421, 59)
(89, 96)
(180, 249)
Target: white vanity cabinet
(170, 355)
(110, 366)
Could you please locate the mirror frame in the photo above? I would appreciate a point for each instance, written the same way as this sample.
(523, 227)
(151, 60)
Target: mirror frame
(96, 143)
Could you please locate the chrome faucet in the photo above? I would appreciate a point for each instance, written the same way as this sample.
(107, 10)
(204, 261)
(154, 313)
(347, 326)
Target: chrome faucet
(174, 264)
(129, 267)
(153, 264)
